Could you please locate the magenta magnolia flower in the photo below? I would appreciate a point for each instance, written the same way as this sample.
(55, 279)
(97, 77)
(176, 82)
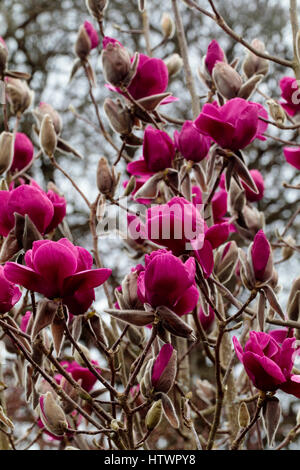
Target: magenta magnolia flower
(25, 321)
(9, 293)
(214, 54)
(158, 153)
(164, 369)
(191, 144)
(23, 153)
(291, 94)
(167, 281)
(268, 359)
(46, 211)
(234, 125)
(178, 226)
(92, 34)
(151, 77)
(79, 372)
(59, 270)
(261, 257)
(292, 156)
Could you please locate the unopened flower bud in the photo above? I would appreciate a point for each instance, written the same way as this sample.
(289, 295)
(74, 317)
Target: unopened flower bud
(154, 415)
(167, 26)
(52, 415)
(142, 5)
(83, 45)
(19, 95)
(226, 261)
(174, 64)
(237, 198)
(261, 258)
(106, 179)
(129, 289)
(287, 251)
(48, 137)
(96, 8)
(293, 305)
(243, 415)
(45, 315)
(276, 112)
(164, 369)
(254, 65)
(227, 80)
(77, 355)
(116, 63)
(45, 108)
(118, 116)
(6, 151)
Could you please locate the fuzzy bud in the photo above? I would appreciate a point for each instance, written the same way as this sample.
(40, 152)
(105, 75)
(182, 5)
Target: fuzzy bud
(83, 45)
(154, 415)
(19, 95)
(276, 112)
(106, 179)
(287, 251)
(52, 415)
(129, 289)
(48, 137)
(118, 116)
(116, 63)
(77, 355)
(45, 108)
(174, 64)
(6, 151)
(167, 26)
(227, 80)
(293, 305)
(96, 8)
(226, 261)
(164, 369)
(45, 315)
(243, 415)
(254, 65)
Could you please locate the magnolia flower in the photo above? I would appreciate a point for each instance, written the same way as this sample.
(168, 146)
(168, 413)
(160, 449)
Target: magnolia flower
(59, 270)
(218, 203)
(179, 226)
(234, 125)
(164, 369)
(292, 156)
(261, 257)
(158, 153)
(214, 54)
(290, 93)
(80, 373)
(268, 359)
(9, 293)
(45, 210)
(23, 152)
(167, 281)
(191, 144)
(151, 77)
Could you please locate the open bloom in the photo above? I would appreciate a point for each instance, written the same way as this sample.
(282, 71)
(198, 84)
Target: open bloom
(191, 144)
(291, 94)
(9, 293)
(234, 125)
(268, 359)
(23, 152)
(59, 270)
(46, 211)
(158, 153)
(167, 281)
(292, 156)
(179, 226)
(81, 373)
(151, 77)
